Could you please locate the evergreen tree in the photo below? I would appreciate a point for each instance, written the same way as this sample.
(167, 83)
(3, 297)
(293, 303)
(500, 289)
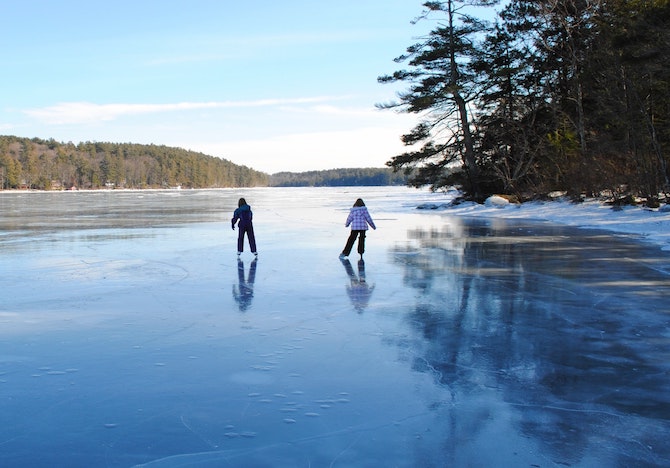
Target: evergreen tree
(631, 102)
(510, 112)
(441, 89)
(559, 95)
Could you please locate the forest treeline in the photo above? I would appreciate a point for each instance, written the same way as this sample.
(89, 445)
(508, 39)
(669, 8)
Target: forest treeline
(339, 178)
(49, 165)
(570, 95)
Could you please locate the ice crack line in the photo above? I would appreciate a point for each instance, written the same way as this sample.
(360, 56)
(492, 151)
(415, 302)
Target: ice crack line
(572, 410)
(204, 439)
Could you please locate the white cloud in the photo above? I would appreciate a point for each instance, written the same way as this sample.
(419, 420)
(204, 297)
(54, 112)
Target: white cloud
(88, 112)
(338, 111)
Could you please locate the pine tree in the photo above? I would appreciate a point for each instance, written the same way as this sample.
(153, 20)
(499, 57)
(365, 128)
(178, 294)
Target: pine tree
(441, 89)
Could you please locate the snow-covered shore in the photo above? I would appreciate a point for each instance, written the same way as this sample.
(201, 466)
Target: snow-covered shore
(652, 225)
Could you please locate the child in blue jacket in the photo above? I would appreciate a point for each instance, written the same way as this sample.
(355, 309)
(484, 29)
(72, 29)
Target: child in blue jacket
(244, 215)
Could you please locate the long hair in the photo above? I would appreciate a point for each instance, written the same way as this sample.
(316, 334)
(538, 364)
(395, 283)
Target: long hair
(359, 202)
(241, 202)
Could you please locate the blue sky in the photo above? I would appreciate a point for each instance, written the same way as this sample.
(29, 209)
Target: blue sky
(273, 85)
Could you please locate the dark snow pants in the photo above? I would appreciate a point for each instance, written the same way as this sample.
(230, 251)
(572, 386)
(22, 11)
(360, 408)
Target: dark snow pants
(352, 238)
(249, 231)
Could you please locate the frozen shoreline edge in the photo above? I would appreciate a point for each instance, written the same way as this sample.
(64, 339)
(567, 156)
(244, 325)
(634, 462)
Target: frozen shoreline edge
(651, 225)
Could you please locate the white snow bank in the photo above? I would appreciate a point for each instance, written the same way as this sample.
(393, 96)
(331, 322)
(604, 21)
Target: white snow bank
(496, 201)
(652, 225)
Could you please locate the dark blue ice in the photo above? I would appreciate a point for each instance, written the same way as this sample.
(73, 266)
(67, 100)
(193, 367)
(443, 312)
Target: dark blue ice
(132, 336)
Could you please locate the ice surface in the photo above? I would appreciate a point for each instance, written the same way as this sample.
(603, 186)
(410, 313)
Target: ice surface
(132, 335)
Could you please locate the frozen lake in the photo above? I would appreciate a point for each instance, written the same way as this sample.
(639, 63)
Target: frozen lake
(131, 335)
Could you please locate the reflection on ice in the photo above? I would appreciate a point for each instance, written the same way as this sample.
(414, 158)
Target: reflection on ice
(569, 354)
(243, 292)
(358, 289)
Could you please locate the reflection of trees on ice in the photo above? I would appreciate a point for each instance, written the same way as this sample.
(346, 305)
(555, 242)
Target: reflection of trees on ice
(358, 290)
(534, 317)
(243, 292)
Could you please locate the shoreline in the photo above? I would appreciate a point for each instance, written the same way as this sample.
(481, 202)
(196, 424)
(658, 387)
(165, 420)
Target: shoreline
(651, 225)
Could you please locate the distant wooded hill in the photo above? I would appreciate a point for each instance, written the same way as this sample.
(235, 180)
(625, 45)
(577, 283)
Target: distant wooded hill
(49, 165)
(338, 178)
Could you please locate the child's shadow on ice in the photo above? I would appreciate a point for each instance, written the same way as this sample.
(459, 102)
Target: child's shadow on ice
(243, 292)
(358, 290)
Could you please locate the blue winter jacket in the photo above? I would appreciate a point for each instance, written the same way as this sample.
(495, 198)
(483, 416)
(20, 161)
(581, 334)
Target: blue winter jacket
(244, 214)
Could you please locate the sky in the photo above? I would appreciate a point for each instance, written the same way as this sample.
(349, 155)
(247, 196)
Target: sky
(285, 85)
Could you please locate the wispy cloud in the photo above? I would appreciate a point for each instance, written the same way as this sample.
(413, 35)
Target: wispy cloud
(88, 112)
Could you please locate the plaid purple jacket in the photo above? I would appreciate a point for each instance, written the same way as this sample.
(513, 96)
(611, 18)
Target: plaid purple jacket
(359, 218)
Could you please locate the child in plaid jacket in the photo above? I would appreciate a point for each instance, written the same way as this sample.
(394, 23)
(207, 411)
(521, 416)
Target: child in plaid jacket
(359, 219)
